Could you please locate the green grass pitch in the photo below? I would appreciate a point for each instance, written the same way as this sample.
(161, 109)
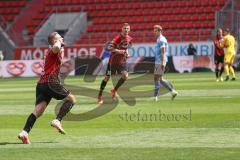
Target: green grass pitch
(210, 132)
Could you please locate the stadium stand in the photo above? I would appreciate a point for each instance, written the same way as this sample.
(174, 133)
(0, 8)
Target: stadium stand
(185, 20)
(10, 9)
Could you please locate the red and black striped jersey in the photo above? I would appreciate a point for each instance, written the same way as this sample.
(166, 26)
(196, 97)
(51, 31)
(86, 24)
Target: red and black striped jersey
(120, 42)
(51, 70)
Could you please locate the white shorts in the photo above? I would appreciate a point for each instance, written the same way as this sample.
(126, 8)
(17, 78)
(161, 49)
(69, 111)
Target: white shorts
(158, 70)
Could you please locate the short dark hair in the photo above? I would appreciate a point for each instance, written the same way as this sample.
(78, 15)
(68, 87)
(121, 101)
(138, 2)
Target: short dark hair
(51, 36)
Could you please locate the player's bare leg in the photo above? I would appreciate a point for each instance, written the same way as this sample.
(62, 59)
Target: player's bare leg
(37, 112)
(157, 86)
(166, 84)
(102, 87)
(69, 101)
(120, 82)
(221, 71)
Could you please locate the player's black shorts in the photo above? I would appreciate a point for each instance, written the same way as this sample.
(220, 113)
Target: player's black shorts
(115, 69)
(47, 91)
(218, 59)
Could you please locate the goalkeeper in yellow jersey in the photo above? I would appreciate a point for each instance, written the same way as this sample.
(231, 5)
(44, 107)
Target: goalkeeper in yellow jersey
(230, 44)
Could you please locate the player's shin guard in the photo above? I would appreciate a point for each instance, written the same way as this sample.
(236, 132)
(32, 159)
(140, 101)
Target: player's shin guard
(232, 71)
(65, 108)
(217, 71)
(30, 122)
(119, 83)
(157, 88)
(102, 87)
(166, 84)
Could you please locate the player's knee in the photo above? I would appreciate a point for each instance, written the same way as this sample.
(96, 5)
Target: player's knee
(156, 77)
(39, 109)
(161, 79)
(125, 76)
(106, 79)
(72, 99)
(37, 113)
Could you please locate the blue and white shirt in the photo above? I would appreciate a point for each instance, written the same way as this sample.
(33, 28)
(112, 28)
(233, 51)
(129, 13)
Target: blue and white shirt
(161, 43)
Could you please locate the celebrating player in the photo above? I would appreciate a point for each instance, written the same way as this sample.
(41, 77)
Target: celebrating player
(230, 44)
(117, 61)
(218, 55)
(161, 52)
(49, 87)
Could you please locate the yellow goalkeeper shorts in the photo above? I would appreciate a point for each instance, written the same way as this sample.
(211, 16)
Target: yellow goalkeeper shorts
(229, 58)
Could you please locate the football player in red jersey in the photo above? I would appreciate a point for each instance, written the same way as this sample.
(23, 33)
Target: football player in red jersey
(218, 55)
(49, 87)
(117, 61)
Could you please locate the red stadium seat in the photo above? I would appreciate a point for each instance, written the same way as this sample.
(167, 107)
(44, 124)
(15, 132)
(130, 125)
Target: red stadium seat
(221, 2)
(197, 3)
(182, 3)
(114, 6)
(200, 10)
(194, 38)
(136, 5)
(138, 12)
(205, 3)
(185, 17)
(211, 24)
(155, 11)
(153, 4)
(176, 10)
(197, 24)
(167, 4)
(194, 17)
(147, 11)
(190, 3)
(191, 10)
(203, 17)
(187, 38)
(164, 18)
(192, 32)
(209, 10)
(189, 25)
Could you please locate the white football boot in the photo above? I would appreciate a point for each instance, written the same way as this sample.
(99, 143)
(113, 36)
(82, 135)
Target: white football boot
(57, 124)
